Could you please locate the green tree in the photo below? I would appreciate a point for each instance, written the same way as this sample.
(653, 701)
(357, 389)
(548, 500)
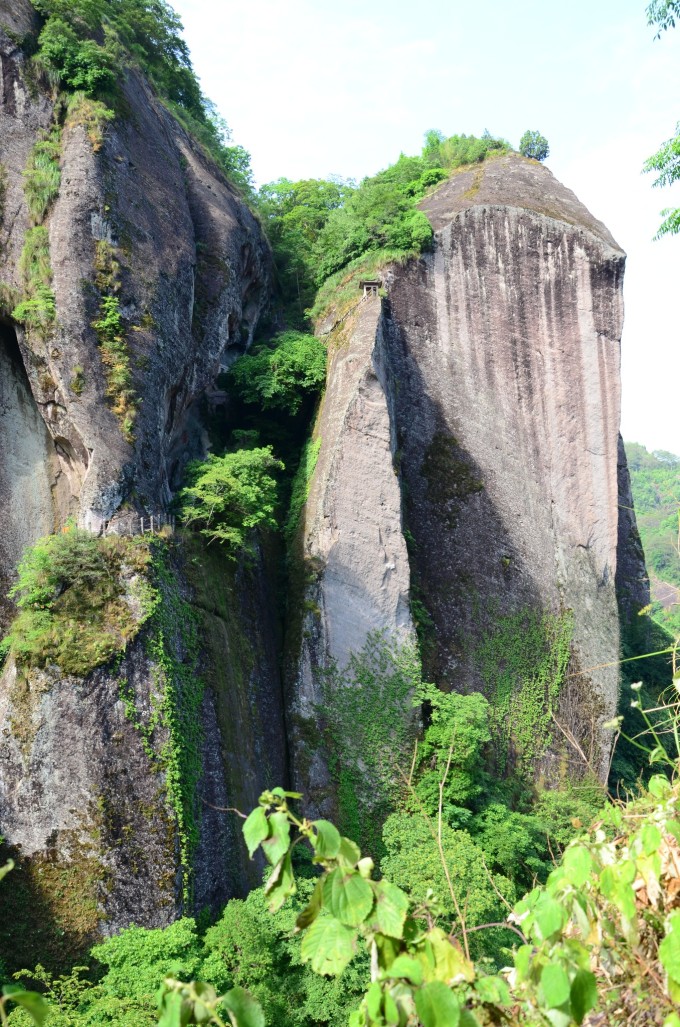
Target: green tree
(534, 145)
(230, 496)
(282, 373)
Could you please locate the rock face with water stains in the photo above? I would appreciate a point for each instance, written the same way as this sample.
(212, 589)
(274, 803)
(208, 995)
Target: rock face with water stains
(141, 215)
(498, 363)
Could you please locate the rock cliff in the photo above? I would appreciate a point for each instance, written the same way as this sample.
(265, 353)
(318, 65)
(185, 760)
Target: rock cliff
(143, 219)
(485, 386)
(463, 489)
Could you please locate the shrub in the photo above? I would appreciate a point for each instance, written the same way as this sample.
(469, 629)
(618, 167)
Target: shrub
(80, 63)
(281, 373)
(534, 145)
(71, 592)
(231, 496)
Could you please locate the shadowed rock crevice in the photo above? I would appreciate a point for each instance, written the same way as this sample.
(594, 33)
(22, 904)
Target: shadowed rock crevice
(505, 346)
(35, 493)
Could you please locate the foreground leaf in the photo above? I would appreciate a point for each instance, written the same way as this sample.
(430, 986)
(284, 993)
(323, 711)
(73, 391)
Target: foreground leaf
(328, 945)
(312, 909)
(347, 896)
(391, 907)
(281, 883)
(278, 841)
(255, 829)
(243, 1009)
(34, 1004)
(437, 1006)
(583, 994)
(327, 840)
(554, 985)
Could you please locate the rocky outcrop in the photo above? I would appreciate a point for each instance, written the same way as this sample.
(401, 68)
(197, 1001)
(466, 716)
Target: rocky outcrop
(142, 217)
(498, 364)
(352, 574)
(191, 279)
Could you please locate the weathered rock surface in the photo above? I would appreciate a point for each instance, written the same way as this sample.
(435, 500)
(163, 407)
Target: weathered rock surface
(194, 279)
(352, 543)
(500, 390)
(509, 335)
(80, 793)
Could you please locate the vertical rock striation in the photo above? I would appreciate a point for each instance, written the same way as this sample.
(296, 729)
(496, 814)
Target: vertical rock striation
(505, 341)
(497, 374)
(144, 218)
(354, 559)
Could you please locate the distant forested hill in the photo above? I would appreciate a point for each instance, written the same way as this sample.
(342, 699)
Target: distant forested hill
(655, 479)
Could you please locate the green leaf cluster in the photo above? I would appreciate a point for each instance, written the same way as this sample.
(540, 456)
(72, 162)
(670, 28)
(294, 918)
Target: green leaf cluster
(281, 373)
(228, 497)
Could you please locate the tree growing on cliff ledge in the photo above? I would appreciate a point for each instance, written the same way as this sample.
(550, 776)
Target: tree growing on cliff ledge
(534, 145)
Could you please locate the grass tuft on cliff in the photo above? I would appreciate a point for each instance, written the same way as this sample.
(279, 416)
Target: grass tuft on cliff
(81, 600)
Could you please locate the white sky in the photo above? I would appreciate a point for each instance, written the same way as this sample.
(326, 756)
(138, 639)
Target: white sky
(319, 87)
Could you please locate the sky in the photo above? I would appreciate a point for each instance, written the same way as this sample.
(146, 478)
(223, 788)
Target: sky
(319, 87)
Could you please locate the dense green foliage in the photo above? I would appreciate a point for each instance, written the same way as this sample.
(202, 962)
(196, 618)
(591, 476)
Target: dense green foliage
(319, 227)
(247, 947)
(534, 145)
(281, 373)
(83, 45)
(605, 917)
(229, 496)
(655, 481)
(72, 593)
(666, 161)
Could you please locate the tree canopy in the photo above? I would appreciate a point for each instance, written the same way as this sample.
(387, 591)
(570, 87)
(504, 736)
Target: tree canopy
(534, 145)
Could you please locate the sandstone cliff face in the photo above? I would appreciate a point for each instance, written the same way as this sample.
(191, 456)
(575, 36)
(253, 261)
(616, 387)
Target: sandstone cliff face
(499, 370)
(83, 796)
(353, 550)
(193, 282)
